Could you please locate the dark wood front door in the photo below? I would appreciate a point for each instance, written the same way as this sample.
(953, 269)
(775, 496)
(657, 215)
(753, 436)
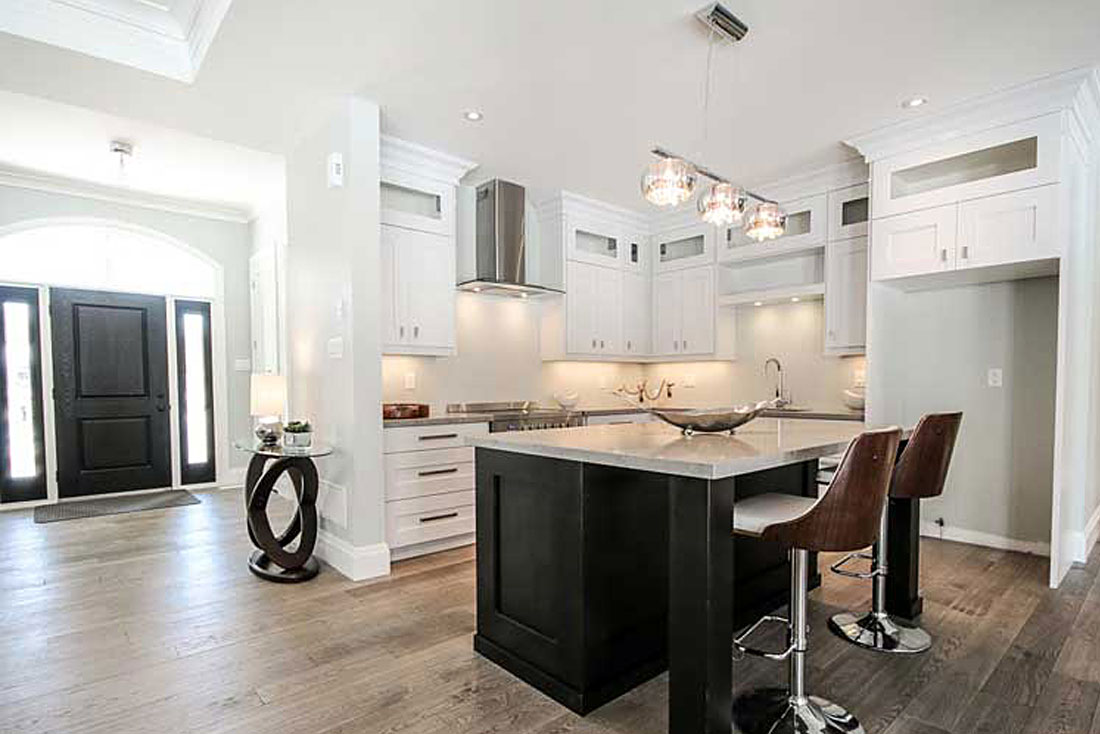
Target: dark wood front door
(110, 355)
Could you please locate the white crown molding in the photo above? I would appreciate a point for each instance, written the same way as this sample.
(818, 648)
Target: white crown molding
(1055, 93)
(171, 43)
(401, 155)
(21, 178)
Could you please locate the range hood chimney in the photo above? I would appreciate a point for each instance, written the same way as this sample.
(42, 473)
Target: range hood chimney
(498, 262)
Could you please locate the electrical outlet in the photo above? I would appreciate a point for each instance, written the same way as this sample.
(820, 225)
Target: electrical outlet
(410, 380)
(335, 170)
(995, 377)
(689, 380)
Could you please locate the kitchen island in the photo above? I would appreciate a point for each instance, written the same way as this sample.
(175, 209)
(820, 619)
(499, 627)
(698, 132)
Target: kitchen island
(606, 554)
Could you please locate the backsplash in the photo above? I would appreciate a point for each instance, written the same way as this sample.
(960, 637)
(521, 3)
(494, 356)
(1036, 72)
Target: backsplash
(499, 359)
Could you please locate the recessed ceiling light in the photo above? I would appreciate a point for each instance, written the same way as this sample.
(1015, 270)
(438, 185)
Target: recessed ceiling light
(913, 102)
(472, 115)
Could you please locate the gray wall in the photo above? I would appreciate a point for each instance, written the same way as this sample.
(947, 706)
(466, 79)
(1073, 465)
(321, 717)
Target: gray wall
(334, 315)
(930, 351)
(227, 243)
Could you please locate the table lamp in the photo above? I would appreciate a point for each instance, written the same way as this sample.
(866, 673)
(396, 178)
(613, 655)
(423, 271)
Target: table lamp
(268, 398)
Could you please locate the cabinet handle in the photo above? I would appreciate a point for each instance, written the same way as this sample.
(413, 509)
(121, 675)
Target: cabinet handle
(685, 345)
(628, 345)
(416, 332)
(401, 331)
(433, 518)
(593, 343)
(601, 343)
(437, 436)
(437, 472)
(943, 255)
(675, 345)
(966, 252)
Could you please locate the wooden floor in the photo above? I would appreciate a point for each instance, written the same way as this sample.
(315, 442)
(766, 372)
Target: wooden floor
(150, 622)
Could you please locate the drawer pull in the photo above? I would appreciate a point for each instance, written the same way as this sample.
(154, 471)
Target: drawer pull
(433, 518)
(436, 472)
(438, 436)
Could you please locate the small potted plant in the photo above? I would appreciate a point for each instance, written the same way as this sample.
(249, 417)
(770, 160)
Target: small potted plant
(298, 435)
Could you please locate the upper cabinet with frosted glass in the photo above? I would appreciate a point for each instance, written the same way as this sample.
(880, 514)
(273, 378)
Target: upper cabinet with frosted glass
(1006, 158)
(595, 242)
(806, 227)
(684, 247)
(417, 202)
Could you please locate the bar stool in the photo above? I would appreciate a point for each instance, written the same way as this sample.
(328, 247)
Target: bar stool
(920, 473)
(843, 519)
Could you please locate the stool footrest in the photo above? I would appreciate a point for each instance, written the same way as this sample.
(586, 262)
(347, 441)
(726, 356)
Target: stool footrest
(739, 641)
(838, 567)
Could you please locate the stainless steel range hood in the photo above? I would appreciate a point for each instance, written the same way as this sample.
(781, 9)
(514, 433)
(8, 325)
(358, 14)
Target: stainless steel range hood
(499, 256)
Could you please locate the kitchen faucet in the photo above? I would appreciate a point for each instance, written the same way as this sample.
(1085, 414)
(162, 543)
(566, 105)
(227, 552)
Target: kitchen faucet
(781, 398)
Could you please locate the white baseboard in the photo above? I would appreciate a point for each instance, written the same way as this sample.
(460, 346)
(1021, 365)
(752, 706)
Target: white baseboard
(1079, 544)
(358, 563)
(988, 540)
(233, 476)
(432, 546)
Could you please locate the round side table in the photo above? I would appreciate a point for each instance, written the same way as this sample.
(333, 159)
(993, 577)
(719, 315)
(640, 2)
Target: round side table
(272, 561)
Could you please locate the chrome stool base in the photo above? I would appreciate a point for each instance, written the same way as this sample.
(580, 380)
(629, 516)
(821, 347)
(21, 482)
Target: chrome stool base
(771, 711)
(877, 631)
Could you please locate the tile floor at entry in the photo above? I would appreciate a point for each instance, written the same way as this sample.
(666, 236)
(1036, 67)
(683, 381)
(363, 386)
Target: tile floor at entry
(151, 622)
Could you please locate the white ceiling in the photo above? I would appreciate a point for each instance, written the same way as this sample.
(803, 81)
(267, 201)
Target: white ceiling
(575, 92)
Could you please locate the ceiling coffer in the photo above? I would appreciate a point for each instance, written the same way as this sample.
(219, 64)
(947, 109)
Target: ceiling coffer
(719, 19)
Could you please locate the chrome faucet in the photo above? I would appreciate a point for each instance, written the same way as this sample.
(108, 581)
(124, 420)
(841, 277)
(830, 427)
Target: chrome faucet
(781, 398)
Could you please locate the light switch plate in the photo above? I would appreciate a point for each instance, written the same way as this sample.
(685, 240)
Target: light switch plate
(336, 347)
(335, 170)
(995, 377)
(410, 380)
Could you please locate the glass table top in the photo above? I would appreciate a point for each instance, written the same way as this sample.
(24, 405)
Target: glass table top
(280, 451)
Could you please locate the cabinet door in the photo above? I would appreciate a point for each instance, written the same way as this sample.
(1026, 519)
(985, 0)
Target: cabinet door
(581, 307)
(914, 244)
(609, 313)
(684, 247)
(637, 307)
(419, 203)
(849, 210)
(846, 294)
(667, 311)
(1008, 228)
(426, 272)
(697, 315)
(392, 331)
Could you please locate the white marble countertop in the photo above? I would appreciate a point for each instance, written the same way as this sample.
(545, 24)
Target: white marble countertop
(657, 447)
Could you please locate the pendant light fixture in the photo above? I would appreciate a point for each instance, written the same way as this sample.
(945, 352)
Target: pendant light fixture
(671, 180)
(767, 222)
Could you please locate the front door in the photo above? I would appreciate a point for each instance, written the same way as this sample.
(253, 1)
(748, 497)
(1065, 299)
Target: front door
(110, 357)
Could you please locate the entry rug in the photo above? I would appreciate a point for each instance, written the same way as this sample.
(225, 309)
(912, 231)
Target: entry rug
(113, 506)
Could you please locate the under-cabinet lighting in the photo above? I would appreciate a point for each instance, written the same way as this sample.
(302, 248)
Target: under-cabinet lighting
(913, 102)
(472, 115)
(758, 303)
(795, 299)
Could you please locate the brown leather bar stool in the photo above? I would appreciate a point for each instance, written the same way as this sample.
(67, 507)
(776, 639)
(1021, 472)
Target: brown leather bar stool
(843, 519)
(920, 473)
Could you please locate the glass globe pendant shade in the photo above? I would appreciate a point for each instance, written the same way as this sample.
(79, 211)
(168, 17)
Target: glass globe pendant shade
(669, 182)
(766, 223)
(723, 205)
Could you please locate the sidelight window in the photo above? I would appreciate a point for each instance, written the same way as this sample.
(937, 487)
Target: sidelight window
(22, 474)
(196, 391)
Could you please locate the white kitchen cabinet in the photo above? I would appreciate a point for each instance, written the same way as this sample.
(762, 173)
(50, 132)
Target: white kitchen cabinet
(592, 242)
(684, 247)
(593, 305)
(683, 312)
(636, 309)
(849, 211)
(917, 243)
(417, 202)
(994, 161)
(806, 228)
(1008, 228)
(846, 296)
(418, 311)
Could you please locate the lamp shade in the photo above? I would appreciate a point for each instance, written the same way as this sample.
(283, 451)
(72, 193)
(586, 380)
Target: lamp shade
(268, 395)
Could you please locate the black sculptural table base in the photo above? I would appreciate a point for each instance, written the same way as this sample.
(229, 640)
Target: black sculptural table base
(273, 561)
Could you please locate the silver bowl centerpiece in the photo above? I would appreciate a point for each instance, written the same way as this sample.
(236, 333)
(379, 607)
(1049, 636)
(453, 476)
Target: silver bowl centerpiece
(713, 420)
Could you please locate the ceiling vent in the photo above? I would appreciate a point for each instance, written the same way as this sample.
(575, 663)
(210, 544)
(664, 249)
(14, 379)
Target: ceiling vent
(719, 19)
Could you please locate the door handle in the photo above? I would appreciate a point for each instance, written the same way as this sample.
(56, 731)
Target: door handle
(437, 472)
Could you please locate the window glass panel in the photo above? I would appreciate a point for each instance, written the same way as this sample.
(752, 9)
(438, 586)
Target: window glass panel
(798, 223)
(854, 211)
(20, 390)
(195, 397)
(411, 201)
(597, 244)
(679, 249)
